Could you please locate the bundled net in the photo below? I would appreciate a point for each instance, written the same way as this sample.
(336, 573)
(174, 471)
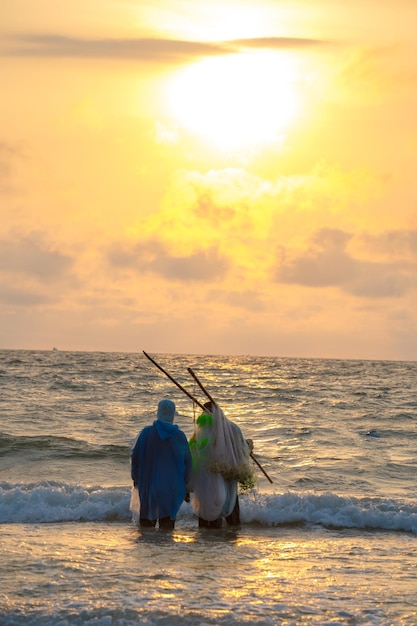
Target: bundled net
(220, 446)
(221, 461)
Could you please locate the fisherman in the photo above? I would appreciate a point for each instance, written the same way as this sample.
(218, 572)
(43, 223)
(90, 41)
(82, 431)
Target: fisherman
(221, 459)
(161, 468)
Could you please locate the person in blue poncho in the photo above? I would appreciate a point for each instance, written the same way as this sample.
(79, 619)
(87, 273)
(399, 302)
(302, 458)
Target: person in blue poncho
(161, 468)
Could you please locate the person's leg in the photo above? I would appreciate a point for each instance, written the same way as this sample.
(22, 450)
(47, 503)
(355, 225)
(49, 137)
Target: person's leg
(147, 523)
(166, 522)
(234, 518)
(203, 523)
(216, 523)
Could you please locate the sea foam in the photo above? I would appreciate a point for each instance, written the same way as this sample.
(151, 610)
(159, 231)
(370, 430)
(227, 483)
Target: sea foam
(47, 501)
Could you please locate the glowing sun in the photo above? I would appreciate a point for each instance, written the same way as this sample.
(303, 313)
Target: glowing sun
(237, 100)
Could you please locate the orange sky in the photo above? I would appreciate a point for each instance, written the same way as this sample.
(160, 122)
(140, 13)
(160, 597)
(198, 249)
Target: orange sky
(220, 177)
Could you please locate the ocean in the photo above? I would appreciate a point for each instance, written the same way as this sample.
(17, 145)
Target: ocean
(332, 540)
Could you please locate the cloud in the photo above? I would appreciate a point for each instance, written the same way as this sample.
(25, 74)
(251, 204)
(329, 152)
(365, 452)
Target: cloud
(249, 300)
(8, 154)
(165, 135)
(153, 256)
(327, 263)
(157, 50)
(32, 256)
(278, 43)
(146, 49)
(393, 244)
(377, 72)
(19, 296)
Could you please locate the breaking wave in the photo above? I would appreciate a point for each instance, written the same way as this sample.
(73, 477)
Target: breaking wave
(46, 502)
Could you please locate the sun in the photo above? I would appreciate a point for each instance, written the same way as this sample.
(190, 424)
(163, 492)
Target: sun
(238, 100)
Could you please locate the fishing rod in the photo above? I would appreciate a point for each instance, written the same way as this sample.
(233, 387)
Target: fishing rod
(204, 390)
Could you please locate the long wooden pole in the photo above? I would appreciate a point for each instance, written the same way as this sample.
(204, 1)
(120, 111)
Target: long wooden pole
(173, 380)
(204, 390)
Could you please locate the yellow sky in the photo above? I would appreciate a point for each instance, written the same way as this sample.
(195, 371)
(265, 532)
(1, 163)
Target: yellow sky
(209, 177)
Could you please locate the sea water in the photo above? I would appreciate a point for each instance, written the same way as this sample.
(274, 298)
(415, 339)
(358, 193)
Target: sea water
(332, 540)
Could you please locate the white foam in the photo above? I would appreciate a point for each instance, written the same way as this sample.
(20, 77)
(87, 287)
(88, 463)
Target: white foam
(58, 502)
(330, 510)
(61, 502)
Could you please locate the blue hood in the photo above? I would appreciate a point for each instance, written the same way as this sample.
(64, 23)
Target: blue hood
(166, 411)
(165, 430)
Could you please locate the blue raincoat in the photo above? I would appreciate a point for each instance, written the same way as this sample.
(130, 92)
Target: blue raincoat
(161, 468)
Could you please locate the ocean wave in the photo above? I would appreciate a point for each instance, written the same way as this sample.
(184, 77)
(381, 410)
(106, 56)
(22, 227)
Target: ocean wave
(60, 502)
(333, 511)
(46, 502)
(59, 447)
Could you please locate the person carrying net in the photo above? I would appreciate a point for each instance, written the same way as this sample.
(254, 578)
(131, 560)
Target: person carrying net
(220, 461)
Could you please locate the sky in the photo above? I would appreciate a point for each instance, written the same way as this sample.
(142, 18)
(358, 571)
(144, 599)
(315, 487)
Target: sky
(223, 177)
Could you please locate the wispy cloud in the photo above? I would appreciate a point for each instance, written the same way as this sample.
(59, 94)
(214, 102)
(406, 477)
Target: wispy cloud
(157, 50)
(278, 43)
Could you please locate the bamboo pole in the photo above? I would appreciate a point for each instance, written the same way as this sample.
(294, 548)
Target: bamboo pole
(174, 381)
(204, 390)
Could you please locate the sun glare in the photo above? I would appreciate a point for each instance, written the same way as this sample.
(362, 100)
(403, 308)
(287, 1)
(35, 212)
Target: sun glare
(238, 100)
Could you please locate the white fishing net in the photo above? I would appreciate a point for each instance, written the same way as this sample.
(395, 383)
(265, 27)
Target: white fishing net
(228, 453)
(134, 505)
(220, 460)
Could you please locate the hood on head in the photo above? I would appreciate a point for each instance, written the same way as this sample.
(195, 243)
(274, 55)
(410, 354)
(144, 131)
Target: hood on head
(166, 411)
